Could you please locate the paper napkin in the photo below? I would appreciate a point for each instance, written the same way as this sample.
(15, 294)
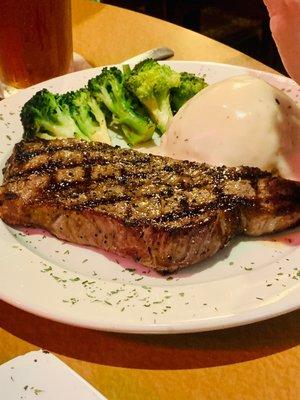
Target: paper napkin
(41, 375)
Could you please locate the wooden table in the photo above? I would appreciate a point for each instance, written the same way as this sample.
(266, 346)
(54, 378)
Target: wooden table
(255, 362)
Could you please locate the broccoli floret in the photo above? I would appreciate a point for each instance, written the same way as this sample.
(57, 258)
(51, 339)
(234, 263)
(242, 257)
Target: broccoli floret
(109, 88)
(44, 117)
(151, 82)
(87, 114)
(190, 85)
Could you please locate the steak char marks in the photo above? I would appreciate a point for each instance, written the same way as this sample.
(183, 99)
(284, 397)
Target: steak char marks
(164, 213)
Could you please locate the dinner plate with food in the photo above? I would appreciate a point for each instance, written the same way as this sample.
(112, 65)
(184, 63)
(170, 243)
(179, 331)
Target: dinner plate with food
(152, 198)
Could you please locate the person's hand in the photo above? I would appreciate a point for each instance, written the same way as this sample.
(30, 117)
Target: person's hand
(285, 27)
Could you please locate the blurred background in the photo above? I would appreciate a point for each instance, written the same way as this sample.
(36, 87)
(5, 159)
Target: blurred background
(243, 25)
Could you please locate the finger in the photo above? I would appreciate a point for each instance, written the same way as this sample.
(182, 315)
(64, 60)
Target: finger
(274, 6)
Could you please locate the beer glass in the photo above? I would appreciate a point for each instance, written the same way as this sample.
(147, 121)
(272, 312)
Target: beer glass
(35, 40)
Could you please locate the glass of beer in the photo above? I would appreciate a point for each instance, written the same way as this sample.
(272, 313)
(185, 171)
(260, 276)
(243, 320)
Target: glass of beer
(35, 41)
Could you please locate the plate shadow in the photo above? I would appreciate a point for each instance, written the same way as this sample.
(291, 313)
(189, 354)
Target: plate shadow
(155, 352)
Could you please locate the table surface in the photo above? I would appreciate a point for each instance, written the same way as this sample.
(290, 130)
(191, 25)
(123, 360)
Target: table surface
(260, 361)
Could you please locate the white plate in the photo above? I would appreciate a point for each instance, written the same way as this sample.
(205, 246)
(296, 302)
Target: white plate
(248, 281)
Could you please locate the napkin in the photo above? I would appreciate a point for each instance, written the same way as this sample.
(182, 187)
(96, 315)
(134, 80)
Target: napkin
(41, 375)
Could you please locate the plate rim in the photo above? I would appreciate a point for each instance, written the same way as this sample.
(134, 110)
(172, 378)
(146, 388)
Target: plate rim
(227, 322)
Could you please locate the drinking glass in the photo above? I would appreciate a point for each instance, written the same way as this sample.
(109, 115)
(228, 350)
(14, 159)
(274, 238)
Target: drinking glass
(35, 40)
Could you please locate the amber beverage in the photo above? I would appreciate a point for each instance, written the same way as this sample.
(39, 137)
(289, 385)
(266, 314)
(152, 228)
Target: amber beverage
(35, 40)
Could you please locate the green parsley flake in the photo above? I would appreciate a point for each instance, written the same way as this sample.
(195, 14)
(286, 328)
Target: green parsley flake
(58, 279)
(46, 269)
(75, 279)
(72, 300)
(37, 391)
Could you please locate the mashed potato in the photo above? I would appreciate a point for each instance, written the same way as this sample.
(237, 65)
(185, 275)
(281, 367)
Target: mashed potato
(240, 121)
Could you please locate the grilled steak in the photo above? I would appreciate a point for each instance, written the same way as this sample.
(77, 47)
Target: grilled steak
(164, 213)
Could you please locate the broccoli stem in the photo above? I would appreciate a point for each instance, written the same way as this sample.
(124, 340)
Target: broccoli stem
(160, 111)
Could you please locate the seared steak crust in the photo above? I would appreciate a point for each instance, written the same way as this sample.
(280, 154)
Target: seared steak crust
(164, 213)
